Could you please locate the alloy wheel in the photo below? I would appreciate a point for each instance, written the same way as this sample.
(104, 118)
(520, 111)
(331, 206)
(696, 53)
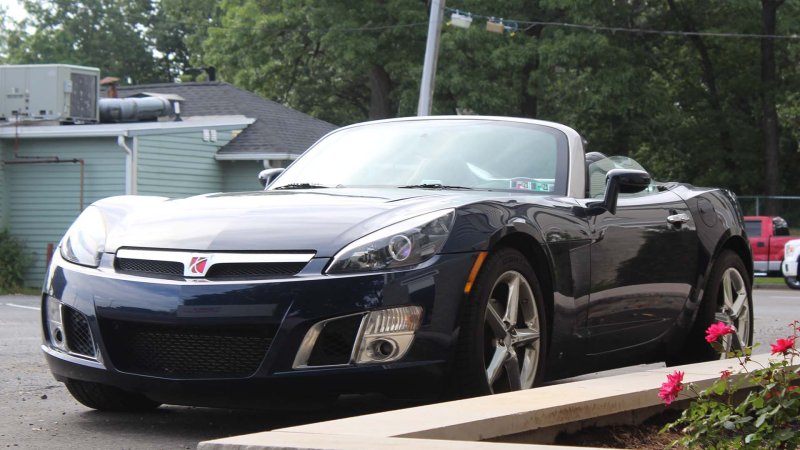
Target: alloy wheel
(512, 337)
(734, 309)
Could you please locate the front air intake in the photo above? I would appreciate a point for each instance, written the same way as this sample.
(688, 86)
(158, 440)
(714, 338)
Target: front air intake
(176, 351)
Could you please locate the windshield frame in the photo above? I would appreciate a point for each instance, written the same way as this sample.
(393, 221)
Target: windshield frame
(561, 144)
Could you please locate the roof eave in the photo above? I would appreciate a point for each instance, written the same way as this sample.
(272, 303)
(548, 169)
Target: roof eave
(123, 129)
(253, 156)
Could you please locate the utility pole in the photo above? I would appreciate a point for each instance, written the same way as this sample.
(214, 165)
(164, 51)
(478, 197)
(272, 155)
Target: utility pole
(431, 56)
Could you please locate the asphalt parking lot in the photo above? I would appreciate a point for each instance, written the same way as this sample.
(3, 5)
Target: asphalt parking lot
(37, 412)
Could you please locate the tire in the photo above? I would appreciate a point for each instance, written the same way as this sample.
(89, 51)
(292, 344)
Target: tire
(498, 352)
(733, 306)
(792, 282)
(108, 398)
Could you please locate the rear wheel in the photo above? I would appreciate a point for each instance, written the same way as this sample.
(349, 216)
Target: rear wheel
(503, 333)
(108, 398)
(727, 299)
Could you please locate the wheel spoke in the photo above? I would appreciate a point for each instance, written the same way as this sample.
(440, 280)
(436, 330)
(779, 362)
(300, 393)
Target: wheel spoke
(495, 321)
(528, 373)
(739, 306)
(513, 373)
(727, 289)
(512, 307)
(496, 365)
(524, 337)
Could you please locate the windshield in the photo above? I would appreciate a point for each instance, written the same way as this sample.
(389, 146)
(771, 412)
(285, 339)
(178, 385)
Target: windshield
(458, 153)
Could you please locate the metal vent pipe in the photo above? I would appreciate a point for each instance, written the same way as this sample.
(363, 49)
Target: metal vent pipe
(133, 109)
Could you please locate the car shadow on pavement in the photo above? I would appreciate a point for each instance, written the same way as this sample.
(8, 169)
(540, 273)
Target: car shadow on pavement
(186, 426)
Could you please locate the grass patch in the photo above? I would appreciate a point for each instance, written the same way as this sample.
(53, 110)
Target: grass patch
(21, 291)
(767, 280)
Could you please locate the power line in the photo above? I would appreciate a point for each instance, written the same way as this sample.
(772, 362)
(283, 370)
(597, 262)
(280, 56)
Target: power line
(664, 32)
(514, 25)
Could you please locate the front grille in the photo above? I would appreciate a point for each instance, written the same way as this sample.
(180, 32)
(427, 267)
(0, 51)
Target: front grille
(76, 330)
(335, 342)
(149, 266)
(254, 270)
(175, 351)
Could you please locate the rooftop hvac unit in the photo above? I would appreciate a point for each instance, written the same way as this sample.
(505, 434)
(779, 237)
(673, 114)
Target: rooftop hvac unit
(49, 92)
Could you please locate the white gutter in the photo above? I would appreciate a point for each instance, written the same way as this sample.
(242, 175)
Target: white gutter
(254, 156)
(128, 129)
(130, 185)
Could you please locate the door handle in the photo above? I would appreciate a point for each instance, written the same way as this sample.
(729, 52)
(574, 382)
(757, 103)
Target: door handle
(678, 219)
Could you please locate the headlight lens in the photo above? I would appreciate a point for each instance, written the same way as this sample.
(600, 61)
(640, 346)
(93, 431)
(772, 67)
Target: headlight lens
(406, 243)
(86, 238)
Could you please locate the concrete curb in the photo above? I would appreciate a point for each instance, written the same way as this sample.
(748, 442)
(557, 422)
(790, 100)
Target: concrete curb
(469, 423)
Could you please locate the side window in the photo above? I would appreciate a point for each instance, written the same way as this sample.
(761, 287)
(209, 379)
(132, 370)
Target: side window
(752, 228)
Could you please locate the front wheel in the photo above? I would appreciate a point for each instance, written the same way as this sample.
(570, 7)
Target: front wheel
(792, 282)
(503, 333)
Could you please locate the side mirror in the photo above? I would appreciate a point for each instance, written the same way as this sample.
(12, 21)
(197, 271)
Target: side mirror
(267, 176)
(619, 181)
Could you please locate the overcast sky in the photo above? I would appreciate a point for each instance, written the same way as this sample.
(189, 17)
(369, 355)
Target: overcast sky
(14, 8)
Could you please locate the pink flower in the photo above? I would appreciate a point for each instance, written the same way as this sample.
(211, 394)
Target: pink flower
(782, 345)
(717, 330)
(669, 390)
(725, 374)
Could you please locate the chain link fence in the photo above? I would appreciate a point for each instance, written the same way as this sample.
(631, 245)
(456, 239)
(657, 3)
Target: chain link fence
(786, 206)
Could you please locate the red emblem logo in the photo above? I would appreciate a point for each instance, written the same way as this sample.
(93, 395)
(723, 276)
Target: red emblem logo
(198, 265)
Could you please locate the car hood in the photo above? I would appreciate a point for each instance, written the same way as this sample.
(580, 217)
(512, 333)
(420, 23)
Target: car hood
(322, 220)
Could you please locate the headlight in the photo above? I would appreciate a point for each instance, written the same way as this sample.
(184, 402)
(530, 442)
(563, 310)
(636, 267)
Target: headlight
(86, 238)
(406, 243)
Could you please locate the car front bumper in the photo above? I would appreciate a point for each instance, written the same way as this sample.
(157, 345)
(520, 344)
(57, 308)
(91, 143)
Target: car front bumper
(789, 268)
(235, 343)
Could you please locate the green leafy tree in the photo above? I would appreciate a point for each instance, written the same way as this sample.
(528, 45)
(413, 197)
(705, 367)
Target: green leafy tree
(109, 34)
(179, 28)
(4, 26)
(340, 61)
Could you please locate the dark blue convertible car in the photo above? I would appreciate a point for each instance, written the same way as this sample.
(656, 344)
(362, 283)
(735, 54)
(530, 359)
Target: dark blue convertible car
(459, 255)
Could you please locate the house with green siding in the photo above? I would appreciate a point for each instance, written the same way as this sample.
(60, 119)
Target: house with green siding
(223, 137)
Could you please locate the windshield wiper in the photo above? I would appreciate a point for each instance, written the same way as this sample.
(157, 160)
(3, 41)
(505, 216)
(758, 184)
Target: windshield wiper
(433, 186)
(301, 186)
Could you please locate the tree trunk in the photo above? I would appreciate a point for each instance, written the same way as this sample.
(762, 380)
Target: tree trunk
(380, 102)
(769, 118)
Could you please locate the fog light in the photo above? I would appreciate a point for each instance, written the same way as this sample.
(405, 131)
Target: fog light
(382, 349)
(388, 334)
(55, 325)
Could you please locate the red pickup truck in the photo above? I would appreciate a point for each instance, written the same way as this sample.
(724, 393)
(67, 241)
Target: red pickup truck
(767, 236)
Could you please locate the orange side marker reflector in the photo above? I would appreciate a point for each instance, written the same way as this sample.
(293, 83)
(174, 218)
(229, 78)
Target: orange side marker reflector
(476, 267)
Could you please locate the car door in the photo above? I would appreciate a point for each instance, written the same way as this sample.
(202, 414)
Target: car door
(643, 265)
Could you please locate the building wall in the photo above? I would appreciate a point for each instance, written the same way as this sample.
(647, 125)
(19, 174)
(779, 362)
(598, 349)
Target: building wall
(38, 202)
(240, 176)
(44, 199)
(179, 164)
